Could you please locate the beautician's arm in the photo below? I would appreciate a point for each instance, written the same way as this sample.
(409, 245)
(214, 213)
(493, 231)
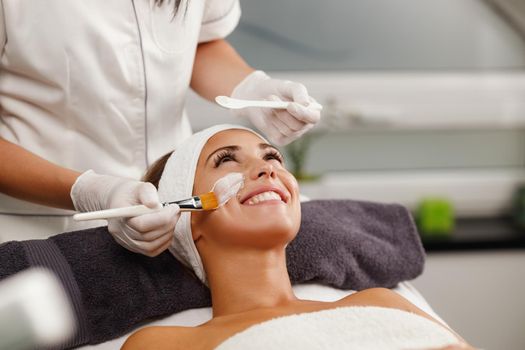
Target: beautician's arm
(26, 176)
(217, 69)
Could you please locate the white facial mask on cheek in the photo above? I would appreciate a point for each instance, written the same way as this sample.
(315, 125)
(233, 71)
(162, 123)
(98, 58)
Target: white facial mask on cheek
(227, 187)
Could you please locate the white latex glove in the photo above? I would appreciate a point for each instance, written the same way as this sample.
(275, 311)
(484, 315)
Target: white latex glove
(148, 234)
(279, 125)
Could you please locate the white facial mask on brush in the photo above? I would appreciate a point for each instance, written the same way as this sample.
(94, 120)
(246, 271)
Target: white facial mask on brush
(227, 187)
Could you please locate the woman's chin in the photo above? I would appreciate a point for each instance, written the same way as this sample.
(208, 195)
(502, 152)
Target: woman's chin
(269, 234)
(270, 218)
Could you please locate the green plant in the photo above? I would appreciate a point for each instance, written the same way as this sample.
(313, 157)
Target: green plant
(297, 153)
(435, 217)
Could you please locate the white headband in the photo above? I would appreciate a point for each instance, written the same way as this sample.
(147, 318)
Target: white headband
(176, 183)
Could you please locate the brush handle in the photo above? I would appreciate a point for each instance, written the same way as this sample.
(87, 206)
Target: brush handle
(136, 210)
(125, 212)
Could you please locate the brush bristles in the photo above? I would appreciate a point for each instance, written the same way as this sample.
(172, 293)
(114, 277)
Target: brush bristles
(209, 201)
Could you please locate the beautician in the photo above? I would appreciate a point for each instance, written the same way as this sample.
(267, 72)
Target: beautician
(93, 91)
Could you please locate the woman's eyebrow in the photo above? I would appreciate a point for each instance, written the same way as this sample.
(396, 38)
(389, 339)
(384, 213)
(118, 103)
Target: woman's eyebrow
(225, 148)
(266, 145)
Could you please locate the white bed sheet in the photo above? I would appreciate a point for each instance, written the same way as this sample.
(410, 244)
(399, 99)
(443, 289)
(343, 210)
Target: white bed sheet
(194, 317)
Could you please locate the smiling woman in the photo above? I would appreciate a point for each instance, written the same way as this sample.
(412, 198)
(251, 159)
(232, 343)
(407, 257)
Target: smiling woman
(266, 211)
(241, 250)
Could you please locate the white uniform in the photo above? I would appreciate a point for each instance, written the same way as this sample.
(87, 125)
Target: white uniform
(97, 85)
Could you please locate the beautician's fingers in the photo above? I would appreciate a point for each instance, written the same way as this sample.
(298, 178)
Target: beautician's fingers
(147, 194)
(303, 131)
(148, 248)
(286, 122)
(291, 123)
(126, 242)
(272, 133)
(162, 248)
(278, 124)
(145, 234)
(150, 236)
(284, 140)
(298, 94)
(155, 247)
(293, 91)
(304, 113)
(156, 234)
(162, 220)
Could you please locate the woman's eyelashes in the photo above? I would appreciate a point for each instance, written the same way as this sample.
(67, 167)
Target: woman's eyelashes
(273, 154)
(223, 157)
(228, 155)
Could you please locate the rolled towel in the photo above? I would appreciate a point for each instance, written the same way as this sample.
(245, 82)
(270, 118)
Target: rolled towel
(363, 328)
(355, 245)
(343, 243)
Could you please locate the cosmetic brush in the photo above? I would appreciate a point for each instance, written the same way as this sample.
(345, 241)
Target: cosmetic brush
(224, 189)
(207, 201)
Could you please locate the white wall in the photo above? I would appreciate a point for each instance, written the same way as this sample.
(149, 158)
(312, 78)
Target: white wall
(376, 34)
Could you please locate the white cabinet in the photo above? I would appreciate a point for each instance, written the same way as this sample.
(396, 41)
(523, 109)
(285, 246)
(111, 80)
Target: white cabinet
(481, 295)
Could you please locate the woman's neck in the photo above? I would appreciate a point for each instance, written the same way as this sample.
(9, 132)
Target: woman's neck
(248, 280)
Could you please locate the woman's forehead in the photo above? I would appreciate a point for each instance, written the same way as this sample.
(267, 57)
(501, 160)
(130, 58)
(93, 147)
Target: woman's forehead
(238, 137)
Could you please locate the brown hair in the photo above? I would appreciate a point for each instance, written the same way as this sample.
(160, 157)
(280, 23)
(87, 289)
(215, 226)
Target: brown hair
(154, 172)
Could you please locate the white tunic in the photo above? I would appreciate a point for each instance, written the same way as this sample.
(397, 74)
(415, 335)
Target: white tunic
(100, 84)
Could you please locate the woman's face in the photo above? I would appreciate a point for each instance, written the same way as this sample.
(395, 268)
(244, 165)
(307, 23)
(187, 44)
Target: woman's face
(265, 212)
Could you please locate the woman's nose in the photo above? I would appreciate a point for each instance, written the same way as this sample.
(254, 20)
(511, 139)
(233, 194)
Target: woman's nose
(262, 169)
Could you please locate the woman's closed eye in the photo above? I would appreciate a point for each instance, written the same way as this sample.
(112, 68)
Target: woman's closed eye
(223, 157)
(273, 154)
(229, 156)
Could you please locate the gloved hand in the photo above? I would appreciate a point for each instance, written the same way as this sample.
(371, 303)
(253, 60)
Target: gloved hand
(279, 125)
(148, 234)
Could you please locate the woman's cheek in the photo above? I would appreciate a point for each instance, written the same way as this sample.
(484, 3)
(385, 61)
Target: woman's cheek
(291, 183)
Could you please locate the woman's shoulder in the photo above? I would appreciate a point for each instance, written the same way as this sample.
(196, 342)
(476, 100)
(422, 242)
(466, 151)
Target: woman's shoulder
(382, 297)
(162, 337)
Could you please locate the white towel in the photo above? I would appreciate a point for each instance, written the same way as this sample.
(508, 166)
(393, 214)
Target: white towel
(363, 328)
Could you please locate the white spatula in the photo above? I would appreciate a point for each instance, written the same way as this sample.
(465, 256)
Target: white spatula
(234, 103)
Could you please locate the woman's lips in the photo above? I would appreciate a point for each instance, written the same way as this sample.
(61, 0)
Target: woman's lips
(265, 194)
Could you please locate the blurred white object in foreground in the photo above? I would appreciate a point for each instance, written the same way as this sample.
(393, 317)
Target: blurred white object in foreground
(34, 311)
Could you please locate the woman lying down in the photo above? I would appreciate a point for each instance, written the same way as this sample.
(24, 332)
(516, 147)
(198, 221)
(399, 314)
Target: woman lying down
(238, 250)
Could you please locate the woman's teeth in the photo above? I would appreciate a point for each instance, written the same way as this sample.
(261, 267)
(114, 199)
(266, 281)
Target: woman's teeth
(262, 197)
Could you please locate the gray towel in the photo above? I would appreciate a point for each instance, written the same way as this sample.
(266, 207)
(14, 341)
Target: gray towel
(355, 245)
(342, 243)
